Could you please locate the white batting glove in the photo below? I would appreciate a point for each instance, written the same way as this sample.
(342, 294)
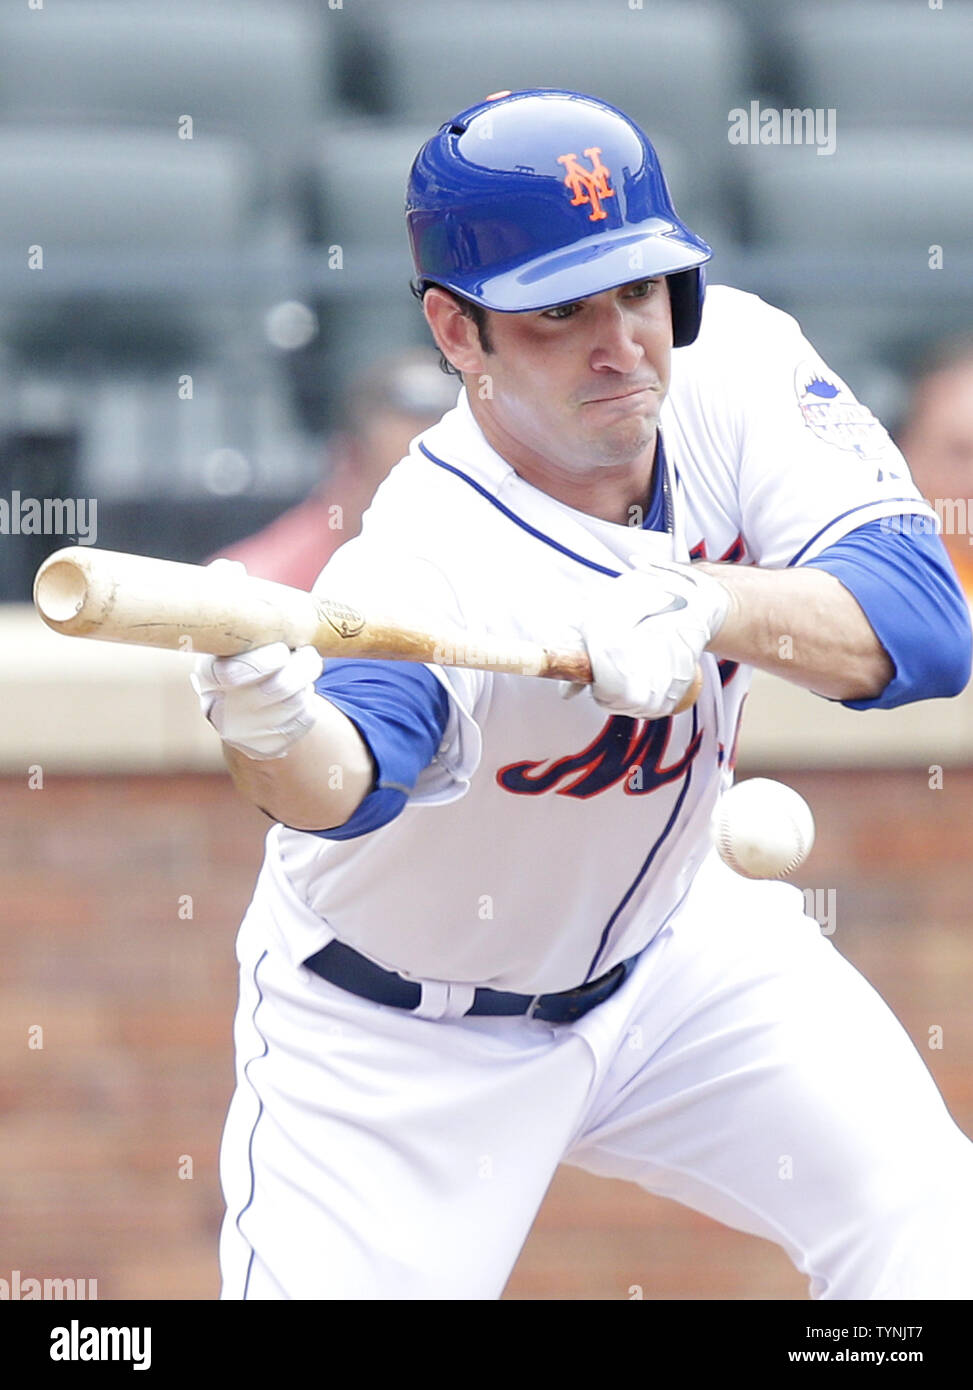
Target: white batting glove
(646, 633)
(261, 701)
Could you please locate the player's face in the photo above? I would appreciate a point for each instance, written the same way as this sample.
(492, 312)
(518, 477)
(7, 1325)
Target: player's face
(579, 386)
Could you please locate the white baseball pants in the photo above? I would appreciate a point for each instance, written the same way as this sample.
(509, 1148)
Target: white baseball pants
(744, 1069)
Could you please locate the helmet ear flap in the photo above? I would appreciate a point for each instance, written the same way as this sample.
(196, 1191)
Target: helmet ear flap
(686, 290)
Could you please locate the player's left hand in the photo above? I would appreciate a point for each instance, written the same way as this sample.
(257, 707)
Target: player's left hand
(645, 634)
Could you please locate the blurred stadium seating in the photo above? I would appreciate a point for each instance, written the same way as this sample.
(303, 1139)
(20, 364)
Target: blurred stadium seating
(675, 67)
(163, 255)
(851, 57)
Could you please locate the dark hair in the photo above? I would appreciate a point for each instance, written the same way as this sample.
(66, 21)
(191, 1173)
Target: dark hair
(476, 312)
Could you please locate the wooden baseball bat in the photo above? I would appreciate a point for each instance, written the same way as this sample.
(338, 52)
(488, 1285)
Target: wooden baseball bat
(85, 592)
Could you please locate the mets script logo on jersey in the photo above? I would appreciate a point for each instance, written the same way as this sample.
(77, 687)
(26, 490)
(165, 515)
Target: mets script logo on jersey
(589, 186)
(833, 414)
(630, 751)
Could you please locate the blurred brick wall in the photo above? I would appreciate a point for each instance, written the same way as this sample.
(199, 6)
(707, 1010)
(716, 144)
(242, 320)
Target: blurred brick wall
(136, 1006)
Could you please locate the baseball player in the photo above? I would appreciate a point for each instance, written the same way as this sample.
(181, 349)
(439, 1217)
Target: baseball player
(489, 934)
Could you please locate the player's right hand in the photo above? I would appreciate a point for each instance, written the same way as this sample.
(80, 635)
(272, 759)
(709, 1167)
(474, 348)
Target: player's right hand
(261, 701)
(645, 634)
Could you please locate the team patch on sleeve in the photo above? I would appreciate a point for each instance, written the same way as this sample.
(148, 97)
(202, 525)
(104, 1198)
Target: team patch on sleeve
(832, 413)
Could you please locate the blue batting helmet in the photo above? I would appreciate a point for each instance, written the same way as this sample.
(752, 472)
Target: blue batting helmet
(537, 198)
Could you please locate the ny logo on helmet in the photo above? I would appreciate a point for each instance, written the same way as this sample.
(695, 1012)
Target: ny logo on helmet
(588, 186)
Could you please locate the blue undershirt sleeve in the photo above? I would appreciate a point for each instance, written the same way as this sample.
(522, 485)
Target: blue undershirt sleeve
(898, 570)
(400, 710)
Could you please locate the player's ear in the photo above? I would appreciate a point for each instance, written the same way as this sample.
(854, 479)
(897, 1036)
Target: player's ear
(455, 332)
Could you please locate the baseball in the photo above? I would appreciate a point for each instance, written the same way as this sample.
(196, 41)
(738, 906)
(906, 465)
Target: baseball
(762, 829)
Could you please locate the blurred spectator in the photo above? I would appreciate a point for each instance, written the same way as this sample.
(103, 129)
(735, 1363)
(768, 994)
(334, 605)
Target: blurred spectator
(936, 437)
(389, 403)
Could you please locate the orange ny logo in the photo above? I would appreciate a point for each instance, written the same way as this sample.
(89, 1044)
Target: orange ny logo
(588, 186)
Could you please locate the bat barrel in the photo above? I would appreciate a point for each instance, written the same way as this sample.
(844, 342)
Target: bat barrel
(87, 592)
(61, 590)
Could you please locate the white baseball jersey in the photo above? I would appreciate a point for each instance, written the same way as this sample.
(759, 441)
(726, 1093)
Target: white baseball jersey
(549, 840)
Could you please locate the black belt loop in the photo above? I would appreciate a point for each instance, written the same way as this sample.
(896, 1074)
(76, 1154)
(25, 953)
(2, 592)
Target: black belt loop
(342, 966)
